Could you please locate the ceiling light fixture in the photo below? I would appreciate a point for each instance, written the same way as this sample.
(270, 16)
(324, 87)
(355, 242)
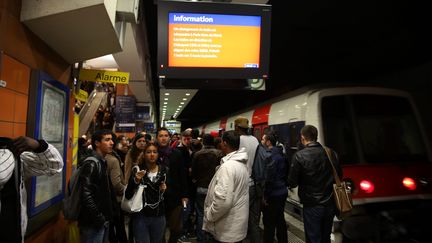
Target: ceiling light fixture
(166, 93)
(187, 94)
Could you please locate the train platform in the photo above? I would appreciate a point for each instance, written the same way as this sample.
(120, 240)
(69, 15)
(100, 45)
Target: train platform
(295, 231)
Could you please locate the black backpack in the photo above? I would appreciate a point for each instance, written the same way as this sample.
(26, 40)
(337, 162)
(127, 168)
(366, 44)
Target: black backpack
(71, 201)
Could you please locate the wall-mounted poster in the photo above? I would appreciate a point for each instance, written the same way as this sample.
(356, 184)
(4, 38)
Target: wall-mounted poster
(51, 118)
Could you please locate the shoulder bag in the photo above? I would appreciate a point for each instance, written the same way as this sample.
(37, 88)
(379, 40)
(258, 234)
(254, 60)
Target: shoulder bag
(135, 204)
(341, 192)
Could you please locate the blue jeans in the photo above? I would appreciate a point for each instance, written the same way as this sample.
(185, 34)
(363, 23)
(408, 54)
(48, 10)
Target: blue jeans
(90, 234)
(318, 221)
(199, 209)
(148, 229)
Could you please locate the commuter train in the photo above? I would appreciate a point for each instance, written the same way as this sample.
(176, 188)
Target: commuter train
(381, 143)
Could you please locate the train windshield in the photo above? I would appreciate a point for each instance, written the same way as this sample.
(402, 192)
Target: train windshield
(372, 129)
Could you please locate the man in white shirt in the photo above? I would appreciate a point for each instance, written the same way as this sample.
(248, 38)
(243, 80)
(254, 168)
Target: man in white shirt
(250, 144)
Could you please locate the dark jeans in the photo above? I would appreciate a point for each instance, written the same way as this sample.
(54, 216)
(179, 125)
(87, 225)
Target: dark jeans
(199, 207)
(117, 231)
(174, 223)
(148, 229)
(187, 212)
(254, 232)
(318, 221)
(90, 234)
(274, 220)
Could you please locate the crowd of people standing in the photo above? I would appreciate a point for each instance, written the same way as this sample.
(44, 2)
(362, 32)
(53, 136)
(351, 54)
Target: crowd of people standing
(197, 188)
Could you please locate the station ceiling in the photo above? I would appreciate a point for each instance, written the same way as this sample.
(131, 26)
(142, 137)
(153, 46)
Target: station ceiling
(324, 42)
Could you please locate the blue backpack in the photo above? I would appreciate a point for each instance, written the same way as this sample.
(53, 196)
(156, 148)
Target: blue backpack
(71, 201)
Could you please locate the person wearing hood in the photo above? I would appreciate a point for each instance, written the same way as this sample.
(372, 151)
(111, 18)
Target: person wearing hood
(275, 191)
(226, 206)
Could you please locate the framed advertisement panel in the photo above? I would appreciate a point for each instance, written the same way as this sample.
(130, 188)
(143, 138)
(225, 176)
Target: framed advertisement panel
(50, 123)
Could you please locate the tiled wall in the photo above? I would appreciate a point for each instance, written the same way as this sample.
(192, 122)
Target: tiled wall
(13, 97)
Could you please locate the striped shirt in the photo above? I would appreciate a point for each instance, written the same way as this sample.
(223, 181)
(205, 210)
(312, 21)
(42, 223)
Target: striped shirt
(48, 162)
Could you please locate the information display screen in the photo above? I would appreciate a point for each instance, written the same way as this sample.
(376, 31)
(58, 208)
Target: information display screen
(213, 40)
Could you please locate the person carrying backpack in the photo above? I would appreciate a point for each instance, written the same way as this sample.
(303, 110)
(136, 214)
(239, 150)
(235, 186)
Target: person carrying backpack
(96, 195)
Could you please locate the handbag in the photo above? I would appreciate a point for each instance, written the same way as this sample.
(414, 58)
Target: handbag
(341, 192)
(135, 204)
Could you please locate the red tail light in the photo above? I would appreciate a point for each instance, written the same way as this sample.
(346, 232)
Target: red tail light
(409, 183)
(367, 186)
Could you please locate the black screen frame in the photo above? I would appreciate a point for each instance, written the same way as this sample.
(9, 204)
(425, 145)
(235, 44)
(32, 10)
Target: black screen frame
(165, 7)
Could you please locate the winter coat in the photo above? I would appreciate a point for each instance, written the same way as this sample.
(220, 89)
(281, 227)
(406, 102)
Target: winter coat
(116, 174)
(311, 171)
(226, 207)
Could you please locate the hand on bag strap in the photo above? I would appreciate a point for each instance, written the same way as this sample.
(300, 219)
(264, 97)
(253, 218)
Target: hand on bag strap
(139, 174)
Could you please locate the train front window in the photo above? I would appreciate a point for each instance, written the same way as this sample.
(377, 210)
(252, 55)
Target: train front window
(338, 129)
(387, 128)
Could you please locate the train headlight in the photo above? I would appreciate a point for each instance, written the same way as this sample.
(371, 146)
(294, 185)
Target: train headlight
(367, 186)
(409, 183)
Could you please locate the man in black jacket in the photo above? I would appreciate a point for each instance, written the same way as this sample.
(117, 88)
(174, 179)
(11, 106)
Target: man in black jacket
(204, 165)
(96, 196)
(176, 195)
(311, 171)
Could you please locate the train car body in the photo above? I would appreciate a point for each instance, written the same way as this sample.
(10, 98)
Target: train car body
(385, 155)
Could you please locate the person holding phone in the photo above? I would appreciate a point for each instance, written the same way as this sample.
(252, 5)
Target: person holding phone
(149, 223)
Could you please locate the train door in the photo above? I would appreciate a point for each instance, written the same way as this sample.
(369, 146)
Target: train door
(259, 130)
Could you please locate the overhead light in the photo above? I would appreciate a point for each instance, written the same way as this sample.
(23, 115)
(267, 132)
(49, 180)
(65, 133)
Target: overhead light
(184, 99)
(180, 106)
(165, 103)
(187, 94)
(166, 93)
(165, 98)
(182, 103)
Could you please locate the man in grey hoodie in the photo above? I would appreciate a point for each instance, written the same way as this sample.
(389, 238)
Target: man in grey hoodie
(226, 207)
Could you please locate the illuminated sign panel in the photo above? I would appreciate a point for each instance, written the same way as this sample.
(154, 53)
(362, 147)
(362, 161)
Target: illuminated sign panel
(214, 40)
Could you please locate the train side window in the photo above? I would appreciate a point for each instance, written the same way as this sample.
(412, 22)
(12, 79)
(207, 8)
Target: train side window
(388, 129)
(338, 128)
(257, 133)
(289, 135)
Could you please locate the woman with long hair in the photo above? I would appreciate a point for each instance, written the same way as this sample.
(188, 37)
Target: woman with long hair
(138, 145)
(149, 223)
